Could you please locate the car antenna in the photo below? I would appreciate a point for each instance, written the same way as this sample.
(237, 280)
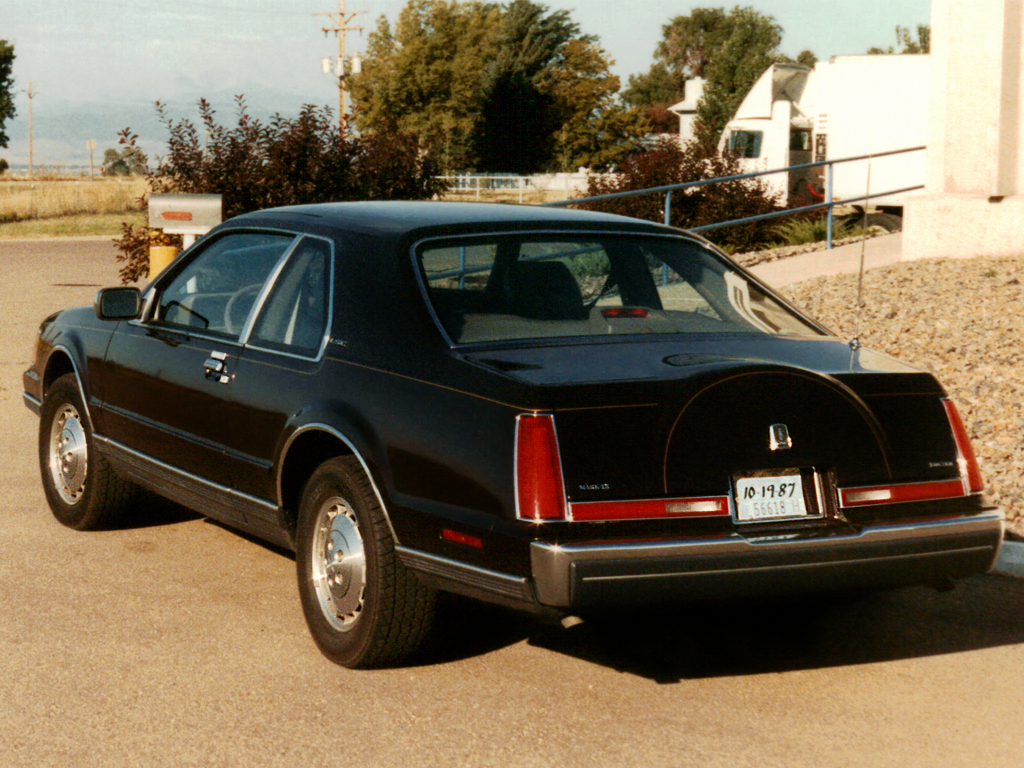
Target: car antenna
(855, 341)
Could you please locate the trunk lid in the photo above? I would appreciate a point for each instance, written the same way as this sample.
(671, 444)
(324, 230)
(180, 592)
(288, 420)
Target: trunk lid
(669, 420)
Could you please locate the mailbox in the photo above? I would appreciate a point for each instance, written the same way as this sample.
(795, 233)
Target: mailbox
(180, 214)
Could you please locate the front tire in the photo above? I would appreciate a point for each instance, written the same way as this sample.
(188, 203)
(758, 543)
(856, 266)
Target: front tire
(363, 608)
(81, 487)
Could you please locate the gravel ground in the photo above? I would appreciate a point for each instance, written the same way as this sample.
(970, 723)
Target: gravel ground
(962, 319)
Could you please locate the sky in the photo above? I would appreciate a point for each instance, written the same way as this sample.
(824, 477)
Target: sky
(98, 65)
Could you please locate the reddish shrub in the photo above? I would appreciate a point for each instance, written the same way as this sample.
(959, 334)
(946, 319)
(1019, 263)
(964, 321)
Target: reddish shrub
(666, 163)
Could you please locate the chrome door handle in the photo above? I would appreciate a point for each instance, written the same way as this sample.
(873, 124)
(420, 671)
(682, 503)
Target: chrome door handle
(215, 367)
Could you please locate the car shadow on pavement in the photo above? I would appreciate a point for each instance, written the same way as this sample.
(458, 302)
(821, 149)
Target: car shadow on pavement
(152, 511)
(748, 637)
(464, 628)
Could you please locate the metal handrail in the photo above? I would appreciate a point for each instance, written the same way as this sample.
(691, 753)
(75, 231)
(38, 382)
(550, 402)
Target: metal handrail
(828, 202)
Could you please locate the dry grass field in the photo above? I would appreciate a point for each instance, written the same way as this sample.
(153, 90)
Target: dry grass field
(528, 196)
(68, 207)
(30, 205)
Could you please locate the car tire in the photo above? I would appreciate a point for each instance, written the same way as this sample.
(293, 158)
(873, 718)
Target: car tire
(363, 607)
(83, 490)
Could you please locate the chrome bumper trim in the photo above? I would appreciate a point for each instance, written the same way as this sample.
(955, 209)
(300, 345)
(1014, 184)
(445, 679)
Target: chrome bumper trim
(504, 585)
(553, 565)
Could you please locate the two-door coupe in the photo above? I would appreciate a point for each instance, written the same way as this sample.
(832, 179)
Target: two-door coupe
(557, 411)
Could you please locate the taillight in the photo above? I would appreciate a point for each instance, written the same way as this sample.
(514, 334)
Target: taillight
(540, 494)
(636, 313)
(969, 469)
(897, 494)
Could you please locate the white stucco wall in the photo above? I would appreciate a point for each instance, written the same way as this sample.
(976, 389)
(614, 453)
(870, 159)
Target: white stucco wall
(974, 201)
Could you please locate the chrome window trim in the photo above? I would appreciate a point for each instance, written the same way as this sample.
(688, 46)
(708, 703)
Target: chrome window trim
(268, 286)
(328, 320)
(145, 318)
(149, 301)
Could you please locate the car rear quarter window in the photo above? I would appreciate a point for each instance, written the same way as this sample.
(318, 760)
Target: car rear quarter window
(294, 316)
(510, 287)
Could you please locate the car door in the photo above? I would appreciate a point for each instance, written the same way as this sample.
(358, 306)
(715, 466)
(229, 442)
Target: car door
(275, 375)
(167, 377)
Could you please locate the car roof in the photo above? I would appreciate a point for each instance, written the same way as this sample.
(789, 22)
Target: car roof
(398, 218)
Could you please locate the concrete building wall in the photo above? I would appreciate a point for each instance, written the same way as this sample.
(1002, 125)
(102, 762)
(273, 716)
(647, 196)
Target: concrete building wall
(974, 200)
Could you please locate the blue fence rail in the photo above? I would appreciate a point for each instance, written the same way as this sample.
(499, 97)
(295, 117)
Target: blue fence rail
(828, 203)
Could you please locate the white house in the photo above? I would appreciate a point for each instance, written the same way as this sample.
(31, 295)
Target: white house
(687, 108)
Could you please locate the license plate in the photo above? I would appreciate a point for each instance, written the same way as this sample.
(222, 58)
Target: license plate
(770, 498)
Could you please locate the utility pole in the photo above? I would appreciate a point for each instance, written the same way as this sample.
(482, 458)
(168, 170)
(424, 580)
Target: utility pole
(342, 25)
(31, 91)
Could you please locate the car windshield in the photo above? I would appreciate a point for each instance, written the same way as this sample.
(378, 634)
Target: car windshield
(503, 288)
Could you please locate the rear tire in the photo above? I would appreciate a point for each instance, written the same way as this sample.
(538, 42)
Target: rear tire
(886, 221)
(362, 606)
(83, 490)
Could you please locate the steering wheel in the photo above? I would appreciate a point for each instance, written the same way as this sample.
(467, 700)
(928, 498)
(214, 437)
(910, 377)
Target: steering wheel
(229, 323)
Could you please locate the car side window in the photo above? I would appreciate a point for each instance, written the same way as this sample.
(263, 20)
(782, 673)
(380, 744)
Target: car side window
(214, 293)
(294, 317)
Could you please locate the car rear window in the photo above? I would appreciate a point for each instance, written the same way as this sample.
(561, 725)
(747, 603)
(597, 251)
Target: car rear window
(509, 287)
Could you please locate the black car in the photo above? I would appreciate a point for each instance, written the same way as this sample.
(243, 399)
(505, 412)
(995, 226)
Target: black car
(557, 411)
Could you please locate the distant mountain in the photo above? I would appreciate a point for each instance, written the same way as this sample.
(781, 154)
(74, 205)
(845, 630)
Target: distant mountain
(62, 130)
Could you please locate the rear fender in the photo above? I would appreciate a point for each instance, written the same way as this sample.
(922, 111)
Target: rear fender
(314, 436)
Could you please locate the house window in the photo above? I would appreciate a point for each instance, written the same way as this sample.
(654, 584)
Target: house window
(746, 143)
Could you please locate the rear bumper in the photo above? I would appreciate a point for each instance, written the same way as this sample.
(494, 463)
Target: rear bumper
(574, 576)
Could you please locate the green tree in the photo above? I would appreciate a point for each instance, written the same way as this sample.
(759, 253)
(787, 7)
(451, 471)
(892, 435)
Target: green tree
(729, 50)
(653, 93)
(805, 58)
(517, 116)
(688, 44)
(130, 161)
(424, 77)
(597, 130)
(907, 43)
(749, 49)
(7, 110)
(490, 86)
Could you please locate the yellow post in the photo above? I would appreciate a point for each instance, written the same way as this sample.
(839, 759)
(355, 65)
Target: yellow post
(159, 257)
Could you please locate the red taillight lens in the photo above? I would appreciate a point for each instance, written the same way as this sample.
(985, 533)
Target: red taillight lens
(637, 313)
(540, 494)
(969, 468)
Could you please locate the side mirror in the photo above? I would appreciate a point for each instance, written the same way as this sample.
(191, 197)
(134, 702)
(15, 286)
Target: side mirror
(117, 303)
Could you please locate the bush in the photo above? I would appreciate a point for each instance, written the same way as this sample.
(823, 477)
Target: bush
(284, 161)
(813, 228)
(666, 163)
